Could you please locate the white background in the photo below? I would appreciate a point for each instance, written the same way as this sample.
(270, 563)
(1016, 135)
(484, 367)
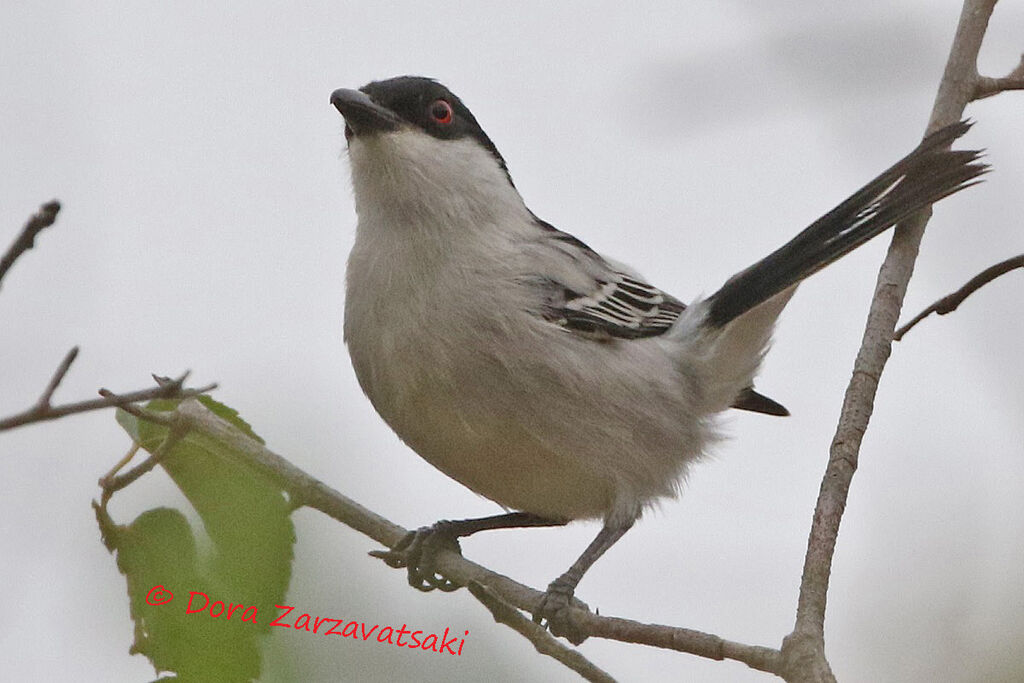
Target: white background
(207, 217)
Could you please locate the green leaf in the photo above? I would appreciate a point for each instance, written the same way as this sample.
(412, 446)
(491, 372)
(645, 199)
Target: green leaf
(246, 516)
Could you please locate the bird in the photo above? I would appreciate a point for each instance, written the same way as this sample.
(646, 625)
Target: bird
(518, 361)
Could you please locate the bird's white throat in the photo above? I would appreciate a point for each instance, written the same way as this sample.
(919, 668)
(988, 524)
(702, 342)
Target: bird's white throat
(403, 177)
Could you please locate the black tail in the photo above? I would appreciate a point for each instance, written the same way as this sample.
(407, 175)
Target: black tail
(923, 177)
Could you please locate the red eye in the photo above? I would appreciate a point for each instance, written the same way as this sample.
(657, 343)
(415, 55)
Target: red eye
(441, 112)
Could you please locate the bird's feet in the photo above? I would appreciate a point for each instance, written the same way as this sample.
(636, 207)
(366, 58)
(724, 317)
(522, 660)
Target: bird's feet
(418, 550)
(554, 611)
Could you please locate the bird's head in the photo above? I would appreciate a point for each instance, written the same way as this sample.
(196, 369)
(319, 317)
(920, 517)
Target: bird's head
(415, 146)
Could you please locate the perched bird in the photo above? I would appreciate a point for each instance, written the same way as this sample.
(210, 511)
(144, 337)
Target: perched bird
(538, 373)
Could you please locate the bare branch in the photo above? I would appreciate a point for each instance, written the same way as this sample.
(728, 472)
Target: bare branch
(44, 401)
(686, 640)
(43, 410)
(544, 642)
(112, 483)
(142, 413)
(127, 458)
(43, 218)
(950, 302)
(987, 87)
(803, 652)
(307, 491)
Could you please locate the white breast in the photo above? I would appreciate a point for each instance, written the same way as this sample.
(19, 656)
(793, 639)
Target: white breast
(446, 344)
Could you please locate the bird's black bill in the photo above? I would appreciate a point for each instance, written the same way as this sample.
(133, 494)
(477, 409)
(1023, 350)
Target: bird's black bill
(363, 115)
(919, 179)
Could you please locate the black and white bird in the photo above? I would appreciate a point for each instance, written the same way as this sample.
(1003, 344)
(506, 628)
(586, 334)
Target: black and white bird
(538, 373)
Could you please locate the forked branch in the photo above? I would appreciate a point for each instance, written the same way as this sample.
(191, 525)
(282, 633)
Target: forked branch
(951, 302)
(803, 650)
(44, 410)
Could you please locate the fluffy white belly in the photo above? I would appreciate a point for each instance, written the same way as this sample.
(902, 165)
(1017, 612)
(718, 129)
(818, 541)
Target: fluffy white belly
(525, 414)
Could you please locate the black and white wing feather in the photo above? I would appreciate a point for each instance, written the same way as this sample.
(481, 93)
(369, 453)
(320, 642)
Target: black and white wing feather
(597, 298)
(622, 306)
(611, 303)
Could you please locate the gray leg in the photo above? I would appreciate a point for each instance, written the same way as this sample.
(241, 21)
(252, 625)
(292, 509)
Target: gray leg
(418, 549)
(554, 606)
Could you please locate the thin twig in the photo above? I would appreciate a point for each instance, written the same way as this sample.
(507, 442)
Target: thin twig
(987, 87)
(141, 413)
(112, 484)
(544, 642)
(43, 218)
(58, 376)
(803, 651)
(950, 302)
(307, 491)
(127, 458)
(43, 410)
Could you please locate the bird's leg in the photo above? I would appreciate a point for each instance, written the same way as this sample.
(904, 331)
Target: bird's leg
(554, 606)
(418, 549)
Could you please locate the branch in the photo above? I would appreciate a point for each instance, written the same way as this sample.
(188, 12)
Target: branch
(987, 87)
(544, 642)
(950, 302)
(113, 482)
(43, 410)
(307, 491)
(43, 218)
(803, 651)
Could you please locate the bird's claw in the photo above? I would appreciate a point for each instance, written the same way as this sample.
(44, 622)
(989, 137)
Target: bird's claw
(417, 551)
(554, 613)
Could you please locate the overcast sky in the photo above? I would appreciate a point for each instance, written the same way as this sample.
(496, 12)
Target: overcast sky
(208, 214)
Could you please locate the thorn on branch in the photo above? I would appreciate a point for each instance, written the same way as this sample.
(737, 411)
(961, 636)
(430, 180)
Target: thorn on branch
(168, 382)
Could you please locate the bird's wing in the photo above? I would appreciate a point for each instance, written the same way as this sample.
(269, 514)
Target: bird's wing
(619, 305)
(589, 295)
(601, 300)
